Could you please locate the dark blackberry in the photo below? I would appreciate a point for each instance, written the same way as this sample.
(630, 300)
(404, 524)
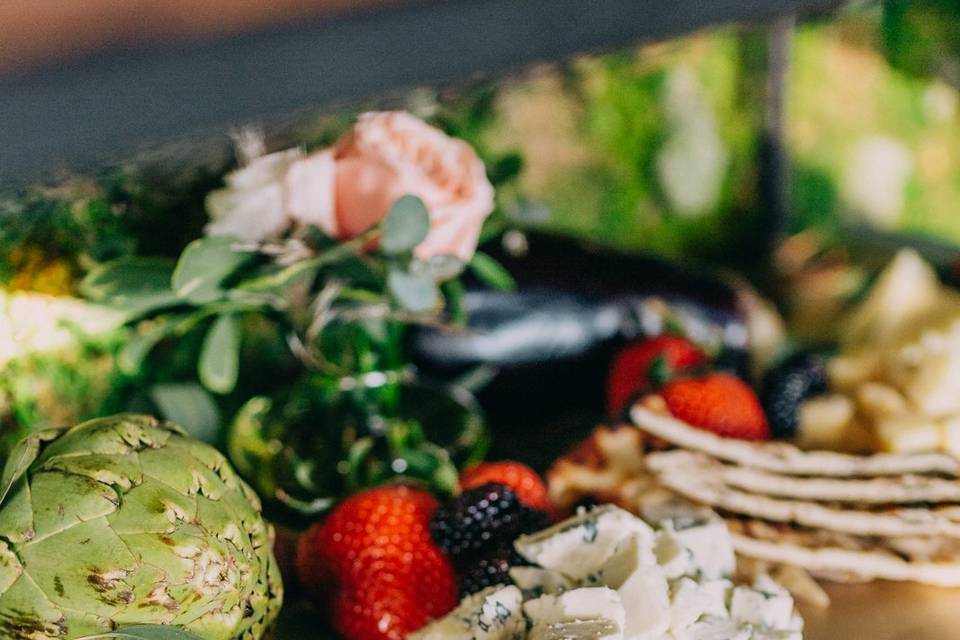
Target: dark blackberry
(786, 385)
(489, 570)
(480, 520)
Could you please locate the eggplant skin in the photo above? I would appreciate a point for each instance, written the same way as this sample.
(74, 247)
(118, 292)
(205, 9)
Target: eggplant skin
(570, 301)
(550, 342)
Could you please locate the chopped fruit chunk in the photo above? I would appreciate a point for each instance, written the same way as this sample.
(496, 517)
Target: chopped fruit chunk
(824, 421)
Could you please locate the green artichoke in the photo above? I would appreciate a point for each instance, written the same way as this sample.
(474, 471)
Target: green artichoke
(125, 520)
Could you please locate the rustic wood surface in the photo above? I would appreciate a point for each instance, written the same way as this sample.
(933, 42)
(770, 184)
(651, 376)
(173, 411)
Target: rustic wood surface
(885, 611)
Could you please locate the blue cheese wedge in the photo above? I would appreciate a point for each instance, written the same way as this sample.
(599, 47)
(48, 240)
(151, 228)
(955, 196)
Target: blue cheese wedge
(765, 605)
(708, 542)
(674, 558)
(579, 630)
(535, 581)
(576, 547)
(607, 575)
(641, 586)
(553, 614)
(495, 613)
(691, 600)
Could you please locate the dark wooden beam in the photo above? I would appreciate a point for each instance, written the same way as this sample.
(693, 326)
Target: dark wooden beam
(110, 103)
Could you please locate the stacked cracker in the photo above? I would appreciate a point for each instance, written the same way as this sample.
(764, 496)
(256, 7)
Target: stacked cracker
(893, 516)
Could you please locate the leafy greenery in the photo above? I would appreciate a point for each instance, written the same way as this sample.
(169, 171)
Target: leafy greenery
(332, 317)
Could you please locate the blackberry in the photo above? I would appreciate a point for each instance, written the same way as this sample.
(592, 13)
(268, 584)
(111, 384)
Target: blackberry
(481, 520)
(786, 385)
(490, 569)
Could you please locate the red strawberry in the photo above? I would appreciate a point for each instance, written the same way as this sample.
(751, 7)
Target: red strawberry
(524, 481)
(719, 402)
(648, 364)
(373, 563)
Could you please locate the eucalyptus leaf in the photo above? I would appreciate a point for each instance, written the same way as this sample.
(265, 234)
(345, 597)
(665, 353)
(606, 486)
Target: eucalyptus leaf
(278, 280)
(138, 346)
(406, 225)
(248, 448)
(21, 457)
(189, 405)
(219, 362)
(145, 632)
(491, 272)
(135, 285)
(453, 294)
(204, 265)
(439, 268)
(415, 293)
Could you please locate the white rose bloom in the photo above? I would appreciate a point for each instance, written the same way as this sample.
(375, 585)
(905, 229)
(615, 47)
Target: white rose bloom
(252, 204)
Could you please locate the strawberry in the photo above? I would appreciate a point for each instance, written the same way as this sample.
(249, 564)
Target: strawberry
(647, 365)
(524, 481)
(374, 566)
(718, 402)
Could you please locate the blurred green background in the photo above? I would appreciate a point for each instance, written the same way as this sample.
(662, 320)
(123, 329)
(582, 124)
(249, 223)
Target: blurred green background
(650, 149)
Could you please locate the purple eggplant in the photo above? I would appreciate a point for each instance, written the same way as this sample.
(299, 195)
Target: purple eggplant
(547, 346)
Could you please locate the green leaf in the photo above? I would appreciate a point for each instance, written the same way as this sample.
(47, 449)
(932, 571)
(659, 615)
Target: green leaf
(415, 293)
(190, 406)
(453, 294)
(21, 457)
(144, 632)
(358, 452)
(492, 272)
(138, 346)
(220, 356)
(278, 280)
(135, 285)
(407, 224)
(204, 265)
(248, 449)
(438, 268)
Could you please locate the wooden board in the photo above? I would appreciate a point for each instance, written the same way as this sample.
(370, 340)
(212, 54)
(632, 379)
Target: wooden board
(885, 611)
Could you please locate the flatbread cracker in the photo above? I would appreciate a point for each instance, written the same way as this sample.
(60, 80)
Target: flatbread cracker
(911, 488)
(700, 485)
(783, 458)
(867, 565)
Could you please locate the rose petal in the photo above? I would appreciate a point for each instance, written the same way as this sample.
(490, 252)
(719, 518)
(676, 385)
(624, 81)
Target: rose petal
(365, 190)
(310, 193)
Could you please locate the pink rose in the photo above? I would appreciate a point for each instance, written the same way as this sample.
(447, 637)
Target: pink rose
(349, 188)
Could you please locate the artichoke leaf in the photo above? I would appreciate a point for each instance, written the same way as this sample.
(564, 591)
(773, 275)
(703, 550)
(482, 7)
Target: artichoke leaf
(144, 632)
(113, 470)
(97, 585)
(22, 456)
(10, 567)
(27, 612)
(16, 515)
(61, 501)
(153, 507)
(114, 436)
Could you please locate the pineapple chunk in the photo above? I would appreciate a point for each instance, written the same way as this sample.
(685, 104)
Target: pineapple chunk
(824, 421)
(848, 371)
(951, 435)
(905, 292)
(878, 401)
(909, 433)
